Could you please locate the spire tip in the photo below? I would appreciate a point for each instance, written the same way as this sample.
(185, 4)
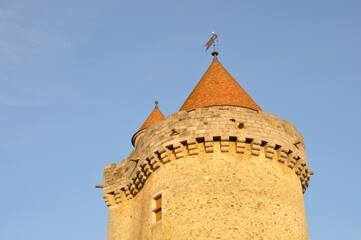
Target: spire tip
(215, 54)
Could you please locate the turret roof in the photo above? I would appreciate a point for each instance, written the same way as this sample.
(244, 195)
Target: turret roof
(155, 116)
(218, 88)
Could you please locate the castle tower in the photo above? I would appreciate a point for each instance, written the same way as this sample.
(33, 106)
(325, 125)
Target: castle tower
(219, 168)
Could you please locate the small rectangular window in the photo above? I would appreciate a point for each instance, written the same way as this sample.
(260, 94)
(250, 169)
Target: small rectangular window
(157, 207)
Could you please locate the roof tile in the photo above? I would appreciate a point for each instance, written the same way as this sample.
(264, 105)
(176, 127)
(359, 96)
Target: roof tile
(155, 116)
(218, 88)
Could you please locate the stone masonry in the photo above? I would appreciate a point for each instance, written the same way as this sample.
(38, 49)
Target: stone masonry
(224, 172)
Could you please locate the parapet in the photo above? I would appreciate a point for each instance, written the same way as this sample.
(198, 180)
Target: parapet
(239, 130)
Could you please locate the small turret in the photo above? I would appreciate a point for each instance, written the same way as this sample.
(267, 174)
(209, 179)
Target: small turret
(155, 116)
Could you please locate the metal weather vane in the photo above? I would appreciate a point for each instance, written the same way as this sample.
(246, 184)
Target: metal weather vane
(212, 41)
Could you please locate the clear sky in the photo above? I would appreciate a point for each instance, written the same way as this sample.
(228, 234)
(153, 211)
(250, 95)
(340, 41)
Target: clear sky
(79, 77)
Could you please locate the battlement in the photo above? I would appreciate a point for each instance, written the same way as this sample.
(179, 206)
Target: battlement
(226, 129)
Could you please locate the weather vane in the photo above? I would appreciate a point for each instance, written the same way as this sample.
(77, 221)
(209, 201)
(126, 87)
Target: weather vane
(212, 41)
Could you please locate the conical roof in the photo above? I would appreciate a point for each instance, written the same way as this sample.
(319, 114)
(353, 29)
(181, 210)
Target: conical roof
(218, 88)
(155, 116)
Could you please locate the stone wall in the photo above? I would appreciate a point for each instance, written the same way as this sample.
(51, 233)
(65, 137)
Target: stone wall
(230, 170)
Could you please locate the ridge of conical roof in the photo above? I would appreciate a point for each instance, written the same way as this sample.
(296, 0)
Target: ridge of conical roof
(155, 116)
(218, 88)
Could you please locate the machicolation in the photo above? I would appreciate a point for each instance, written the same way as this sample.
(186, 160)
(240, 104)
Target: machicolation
(227, 129)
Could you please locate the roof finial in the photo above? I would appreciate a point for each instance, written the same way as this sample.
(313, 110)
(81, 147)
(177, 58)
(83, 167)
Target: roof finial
(156, 104)
(209, 44)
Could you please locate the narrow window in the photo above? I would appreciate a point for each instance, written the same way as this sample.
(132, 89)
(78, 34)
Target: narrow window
(157, 207)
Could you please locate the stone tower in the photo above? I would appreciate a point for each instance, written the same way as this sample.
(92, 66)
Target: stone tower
(219, 168)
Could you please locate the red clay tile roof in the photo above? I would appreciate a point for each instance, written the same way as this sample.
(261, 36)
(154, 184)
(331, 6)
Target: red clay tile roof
(155, 116)
(218, 88)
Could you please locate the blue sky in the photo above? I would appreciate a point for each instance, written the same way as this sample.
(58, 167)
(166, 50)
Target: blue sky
(78, 78)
